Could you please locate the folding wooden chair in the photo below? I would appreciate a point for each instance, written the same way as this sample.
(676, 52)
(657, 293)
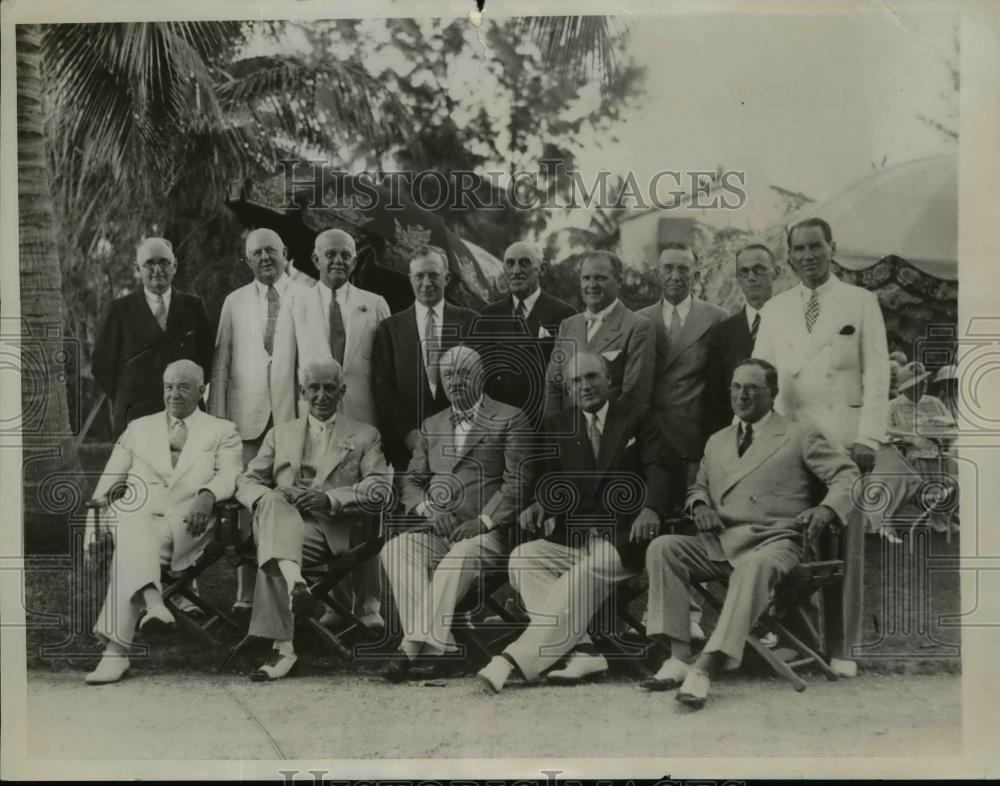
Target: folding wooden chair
(211, 618)
(321, 578)
(485, 638)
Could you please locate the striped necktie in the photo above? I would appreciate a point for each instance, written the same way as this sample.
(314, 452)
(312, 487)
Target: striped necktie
(754, 328)
(812, 311)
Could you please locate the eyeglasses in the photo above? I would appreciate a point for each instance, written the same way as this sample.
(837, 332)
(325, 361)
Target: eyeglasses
(153, 264)
(751, 389)
(258, 253)
(344, 253)
(757, 270)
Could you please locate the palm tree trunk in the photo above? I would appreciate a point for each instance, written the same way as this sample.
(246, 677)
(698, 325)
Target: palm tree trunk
(48, 462)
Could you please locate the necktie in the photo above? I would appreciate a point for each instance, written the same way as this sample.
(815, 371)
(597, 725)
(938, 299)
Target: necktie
(160, 313)
(338, 337)
(754, 328)
(745, 440)
(593, 322)
(594, 432)
(458, 418)
(178, 436)
(675, 326)
(812, 311)
(519, 310)
(273, 301)
(430, 350)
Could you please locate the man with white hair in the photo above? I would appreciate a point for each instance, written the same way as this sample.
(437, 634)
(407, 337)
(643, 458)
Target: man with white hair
(518, 332)
(247, 382)
(144, 331)
(177, 464)
(464, 486)
(308, 488)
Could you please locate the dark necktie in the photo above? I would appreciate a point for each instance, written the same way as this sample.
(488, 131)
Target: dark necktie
(754, 328)
(273, 302)
(519, 311)
(337, 335)
(178, 436)
(812, 311)
(745, 440)
(431, 351)
(595, 436)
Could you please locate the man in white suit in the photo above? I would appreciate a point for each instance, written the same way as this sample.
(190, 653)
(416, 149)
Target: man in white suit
(828, 341)
(177, 464)
(336, 320)
(245, 373)
(307, 488)
(751, 501)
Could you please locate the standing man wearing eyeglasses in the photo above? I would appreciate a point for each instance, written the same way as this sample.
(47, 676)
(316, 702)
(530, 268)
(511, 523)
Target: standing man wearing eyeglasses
(336, 320)
(143, 332)
(247, 371)
(518, 331)
(733, 338)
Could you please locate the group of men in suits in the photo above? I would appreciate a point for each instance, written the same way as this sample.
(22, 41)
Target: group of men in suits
(482, 417)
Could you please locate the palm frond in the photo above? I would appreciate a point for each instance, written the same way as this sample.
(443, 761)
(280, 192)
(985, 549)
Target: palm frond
(574, 46)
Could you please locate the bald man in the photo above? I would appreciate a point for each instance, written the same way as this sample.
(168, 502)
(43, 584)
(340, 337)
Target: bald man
(176, 464)
(145, 331)
(247, 383)
(516, 333)
(335, 320)
(308, 487)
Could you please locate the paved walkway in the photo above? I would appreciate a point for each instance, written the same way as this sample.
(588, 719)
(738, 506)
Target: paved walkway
(174, 716)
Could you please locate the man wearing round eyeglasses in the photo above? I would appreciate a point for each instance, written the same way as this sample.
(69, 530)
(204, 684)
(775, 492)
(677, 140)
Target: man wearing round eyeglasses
(145, 331)
(733, 338)
(518, 332)
(335, 319)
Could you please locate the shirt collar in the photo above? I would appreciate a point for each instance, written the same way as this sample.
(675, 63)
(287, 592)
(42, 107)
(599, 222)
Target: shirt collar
(422, 310)
(600, 316)
(601, 415)
(340, 292)
(683, 308)
(529, 301)
(171, 420)
(751, 312)
(317, 425)
(280, 285)
(821, 290)
(467, 414)
(151, 296)
(756, 426)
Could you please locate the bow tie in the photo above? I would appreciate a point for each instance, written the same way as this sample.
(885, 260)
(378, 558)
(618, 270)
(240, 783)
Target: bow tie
(460, 417)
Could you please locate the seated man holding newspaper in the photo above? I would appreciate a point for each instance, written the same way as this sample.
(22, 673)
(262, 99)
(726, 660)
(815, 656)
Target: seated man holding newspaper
(307, 487)
(175, 465)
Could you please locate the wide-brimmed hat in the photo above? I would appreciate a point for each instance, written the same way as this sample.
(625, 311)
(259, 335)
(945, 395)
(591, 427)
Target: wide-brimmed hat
(946, 372)
(910, 374)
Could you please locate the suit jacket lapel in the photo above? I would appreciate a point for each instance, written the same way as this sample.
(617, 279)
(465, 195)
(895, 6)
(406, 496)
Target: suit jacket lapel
(338, 445)
(611, 437)
(579, 442)
(695, 325)
(482, 422)
(144, 319)
(771, 437)
(294, 437)
(160, 448)
(353, 322)
(826, 326)
(192, 446)
(609, 329)
(175, 314)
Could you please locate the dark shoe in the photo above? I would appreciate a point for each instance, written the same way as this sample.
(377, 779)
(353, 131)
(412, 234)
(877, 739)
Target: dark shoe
(398, 669)
(303, 603)
(157, 621)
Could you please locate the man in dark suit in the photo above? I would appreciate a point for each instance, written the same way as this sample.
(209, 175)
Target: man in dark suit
(734, 337)
(408, 345)
(623, 338)
(599, 500)
(144, 332)
(515, 334)
(683, 326)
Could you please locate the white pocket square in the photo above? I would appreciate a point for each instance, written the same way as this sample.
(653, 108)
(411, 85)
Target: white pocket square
(542, 332)
(612, 355)
(630, 443)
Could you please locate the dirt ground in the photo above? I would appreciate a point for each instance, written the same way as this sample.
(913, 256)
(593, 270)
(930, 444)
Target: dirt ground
(360, 716)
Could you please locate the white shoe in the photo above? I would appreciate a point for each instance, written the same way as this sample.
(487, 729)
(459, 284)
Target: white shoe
(331, 619)
(157, 619)
(186, 606)
(697, 634)
(111, 669)
(844, 668)
(495, 674)
(372, 620)
(581, 666)
(670, 675)
(275, 667)
(769, 640)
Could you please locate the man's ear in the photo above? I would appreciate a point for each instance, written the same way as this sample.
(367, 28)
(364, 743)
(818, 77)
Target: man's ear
(696, 275)
(833, 247)
(543, 267)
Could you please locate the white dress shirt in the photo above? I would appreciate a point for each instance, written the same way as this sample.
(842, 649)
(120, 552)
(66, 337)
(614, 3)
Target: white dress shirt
(683, 309)
(595, 321)
(151, 299)
(600, 415)
(260, 290)
(529, 301)
(756, 426)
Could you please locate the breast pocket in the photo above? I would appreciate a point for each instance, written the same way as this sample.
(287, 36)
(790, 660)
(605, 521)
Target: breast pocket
(843, 352)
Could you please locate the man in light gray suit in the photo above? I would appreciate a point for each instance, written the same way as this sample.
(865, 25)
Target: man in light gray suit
(684, 326)
(607, 328)
(337, 320)
(247, 367)
(752, 499)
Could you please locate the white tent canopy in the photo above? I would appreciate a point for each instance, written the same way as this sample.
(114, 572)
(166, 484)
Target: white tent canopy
(909, 210)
